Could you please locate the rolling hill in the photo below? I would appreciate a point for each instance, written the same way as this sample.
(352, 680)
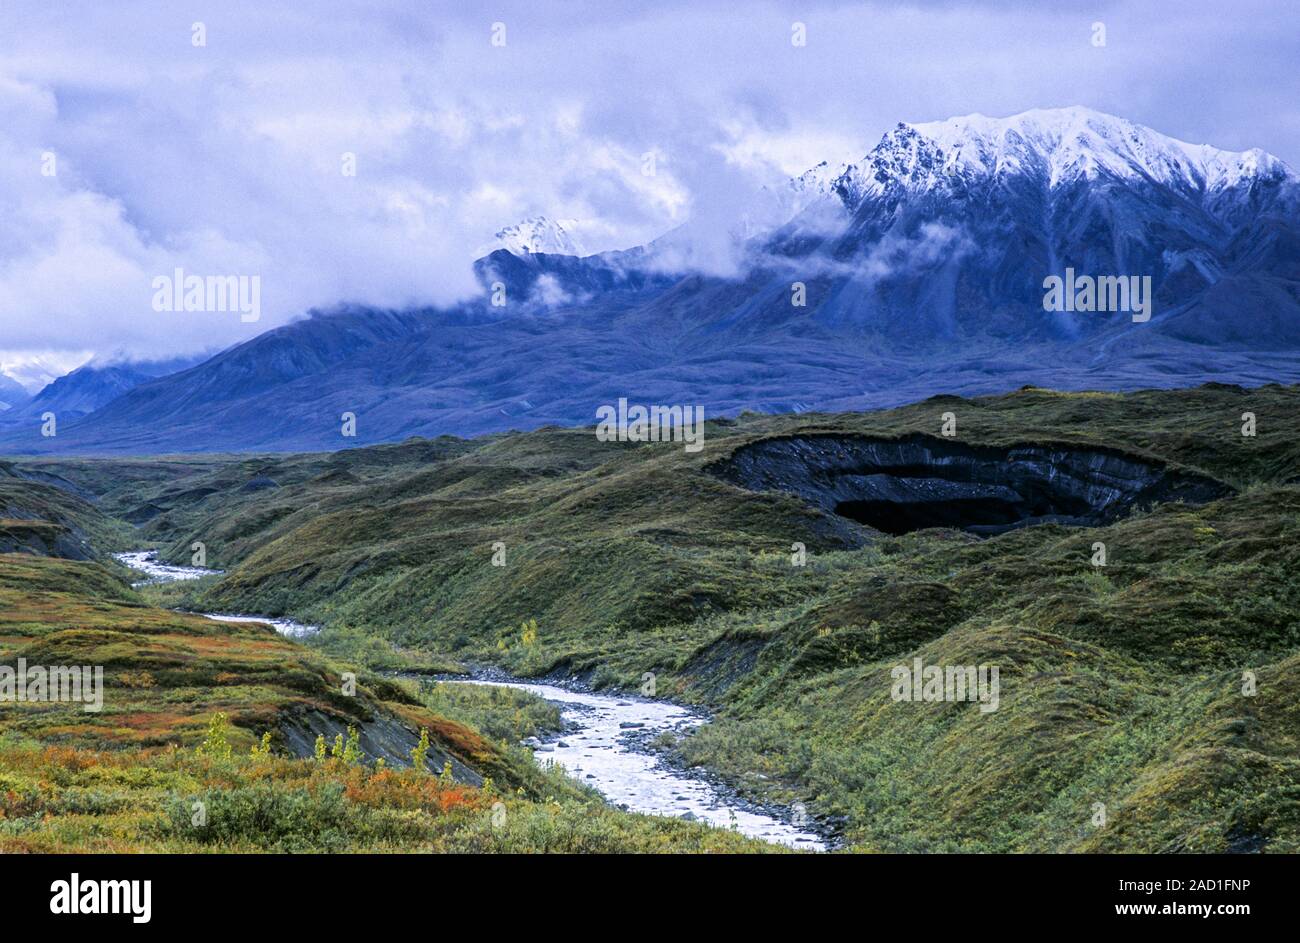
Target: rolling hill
(785, 613)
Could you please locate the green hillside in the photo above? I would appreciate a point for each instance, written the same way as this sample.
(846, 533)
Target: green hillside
(1121, 686)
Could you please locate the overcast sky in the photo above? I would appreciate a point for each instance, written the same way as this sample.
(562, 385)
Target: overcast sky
(227, 158)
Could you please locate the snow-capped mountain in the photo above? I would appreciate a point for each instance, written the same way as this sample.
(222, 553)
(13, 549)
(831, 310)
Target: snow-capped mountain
(948, 229)
(540, 234)
(1082, 143)
(1061, 146)
(919, 269)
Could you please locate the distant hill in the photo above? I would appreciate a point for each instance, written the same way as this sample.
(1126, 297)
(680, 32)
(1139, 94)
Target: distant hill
(45, 514)
(12, 394)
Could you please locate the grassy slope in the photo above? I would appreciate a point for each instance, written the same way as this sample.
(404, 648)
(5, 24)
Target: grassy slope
(41, 517)
(1110, 683)
(125, 778)
(165, 672)
(1119, 686)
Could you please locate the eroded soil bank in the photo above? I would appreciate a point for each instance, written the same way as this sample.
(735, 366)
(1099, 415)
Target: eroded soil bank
(907, 484)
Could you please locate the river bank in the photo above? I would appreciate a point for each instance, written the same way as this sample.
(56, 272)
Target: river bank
(606, 741)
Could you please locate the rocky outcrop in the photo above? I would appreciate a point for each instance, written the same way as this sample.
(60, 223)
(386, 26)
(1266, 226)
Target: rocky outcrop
(383, 736)
(901, 485)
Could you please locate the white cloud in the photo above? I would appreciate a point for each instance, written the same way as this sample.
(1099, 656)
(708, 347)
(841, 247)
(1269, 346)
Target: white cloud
(37, 368)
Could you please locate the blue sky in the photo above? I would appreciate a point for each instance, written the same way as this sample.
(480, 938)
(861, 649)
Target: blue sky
(226, 158)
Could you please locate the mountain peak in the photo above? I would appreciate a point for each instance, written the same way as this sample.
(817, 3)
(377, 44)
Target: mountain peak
(1077, 141)
(540, 234)
(1062, 144)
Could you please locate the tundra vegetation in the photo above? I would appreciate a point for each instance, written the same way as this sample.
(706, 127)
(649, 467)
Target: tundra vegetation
(1147, 705)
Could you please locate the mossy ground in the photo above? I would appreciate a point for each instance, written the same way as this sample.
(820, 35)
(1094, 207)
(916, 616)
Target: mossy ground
(68, 799)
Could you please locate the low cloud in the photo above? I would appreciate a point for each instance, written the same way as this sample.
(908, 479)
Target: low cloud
(906, 254)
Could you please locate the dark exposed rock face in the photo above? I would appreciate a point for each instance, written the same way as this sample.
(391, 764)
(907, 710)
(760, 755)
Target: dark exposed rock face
(382, 737)
(918, 481)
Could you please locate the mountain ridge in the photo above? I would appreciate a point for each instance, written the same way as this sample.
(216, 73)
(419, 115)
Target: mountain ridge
(920, 273)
